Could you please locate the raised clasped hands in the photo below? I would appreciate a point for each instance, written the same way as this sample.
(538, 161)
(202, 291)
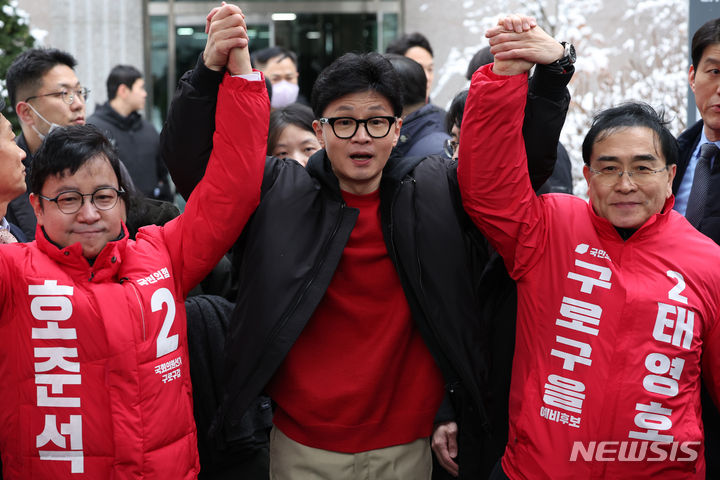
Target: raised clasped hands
(518, 43)
(227, 43)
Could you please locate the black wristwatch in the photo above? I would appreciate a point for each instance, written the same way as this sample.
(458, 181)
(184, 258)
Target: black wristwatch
(568, 58)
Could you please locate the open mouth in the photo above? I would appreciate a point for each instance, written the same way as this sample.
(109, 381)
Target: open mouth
(361, 157)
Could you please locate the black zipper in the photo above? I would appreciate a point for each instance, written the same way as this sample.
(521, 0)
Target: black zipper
(453, 363)
(316, 268)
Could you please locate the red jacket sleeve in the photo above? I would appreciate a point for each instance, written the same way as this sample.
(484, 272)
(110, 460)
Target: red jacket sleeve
(492, 168)
(228, 194)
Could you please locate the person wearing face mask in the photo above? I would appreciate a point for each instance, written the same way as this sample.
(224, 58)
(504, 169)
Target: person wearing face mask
(45, 93)
(279, 65)
(95, 365)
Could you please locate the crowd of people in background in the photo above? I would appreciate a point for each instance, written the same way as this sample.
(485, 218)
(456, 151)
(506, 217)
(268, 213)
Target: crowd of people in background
(359, 284)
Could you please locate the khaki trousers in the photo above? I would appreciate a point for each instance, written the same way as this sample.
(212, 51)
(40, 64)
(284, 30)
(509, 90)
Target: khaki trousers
(290, 460)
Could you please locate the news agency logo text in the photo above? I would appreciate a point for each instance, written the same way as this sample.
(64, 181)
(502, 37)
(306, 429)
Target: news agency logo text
(634, 451)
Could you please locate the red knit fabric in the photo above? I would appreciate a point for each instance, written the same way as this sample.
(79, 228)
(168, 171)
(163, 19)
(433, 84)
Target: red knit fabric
(359, 376)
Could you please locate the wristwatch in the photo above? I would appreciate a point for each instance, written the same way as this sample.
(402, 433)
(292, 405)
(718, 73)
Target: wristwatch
(568, 58)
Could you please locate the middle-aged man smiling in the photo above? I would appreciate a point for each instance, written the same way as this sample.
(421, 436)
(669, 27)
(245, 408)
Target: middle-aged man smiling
(94, 360)
(618, 298)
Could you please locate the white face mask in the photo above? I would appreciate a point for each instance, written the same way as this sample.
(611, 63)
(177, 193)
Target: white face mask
(283, 94)
(52, 127)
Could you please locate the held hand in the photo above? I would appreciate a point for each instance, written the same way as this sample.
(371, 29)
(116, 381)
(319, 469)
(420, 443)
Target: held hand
(444, 444)
(531, 45)
(225, 26)
(515, 23)
(239, 61)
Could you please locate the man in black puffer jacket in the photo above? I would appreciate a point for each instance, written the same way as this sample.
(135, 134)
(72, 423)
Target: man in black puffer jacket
(357, 275)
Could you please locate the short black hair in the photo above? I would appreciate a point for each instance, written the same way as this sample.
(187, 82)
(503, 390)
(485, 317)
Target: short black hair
(631, 114)
(28, 69)
(481, 57)
(66, 149)
(294, 114)
(412, 78)
(121, 75)
(262, 57)
(455, 112)
(708, 34)
(354, 73)
(404, 43)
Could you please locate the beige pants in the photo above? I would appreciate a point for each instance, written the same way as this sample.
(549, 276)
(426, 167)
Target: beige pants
(289, 460)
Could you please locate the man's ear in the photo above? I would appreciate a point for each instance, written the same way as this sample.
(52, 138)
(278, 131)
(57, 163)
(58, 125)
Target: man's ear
(122, 91)
(319, 132)
(672, 170)
(587, 174)
(396, 130)
(691, 78)
(24, 113)
(35, 201)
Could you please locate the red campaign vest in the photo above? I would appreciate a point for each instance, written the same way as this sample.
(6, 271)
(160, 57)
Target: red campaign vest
(94, 361)
(611, 334)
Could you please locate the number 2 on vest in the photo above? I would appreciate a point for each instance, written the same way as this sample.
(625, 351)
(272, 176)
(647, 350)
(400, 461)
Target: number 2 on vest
(165, 343)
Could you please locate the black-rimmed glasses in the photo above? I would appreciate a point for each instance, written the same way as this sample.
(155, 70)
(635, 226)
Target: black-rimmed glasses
(345, 127)
(103, 198)
(68, 96)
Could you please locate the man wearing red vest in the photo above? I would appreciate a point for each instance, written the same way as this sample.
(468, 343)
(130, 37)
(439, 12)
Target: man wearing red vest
(618, 298)
(94, 361)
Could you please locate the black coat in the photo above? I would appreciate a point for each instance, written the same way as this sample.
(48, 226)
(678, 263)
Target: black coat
(293, 243)
(423, 133)
(710, 226)
(687, 142)
(138, 145)
(207, 323)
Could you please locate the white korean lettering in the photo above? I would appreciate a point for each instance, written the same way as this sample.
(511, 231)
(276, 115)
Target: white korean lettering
(564, 393)
(654, 418)
(581, 313)
(57, 383)
(603, 281)
(570, 359)
(50, 433)
(683, 325)
(51, 304)
(57, 357)
(660, 365)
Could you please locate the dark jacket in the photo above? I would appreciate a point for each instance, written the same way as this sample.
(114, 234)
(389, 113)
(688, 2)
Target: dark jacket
(561, 180)
(137, 142)
(285, 271)
(710, 226)
(422, 133)
(687, 142)
(19, 211)
(208, 317)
